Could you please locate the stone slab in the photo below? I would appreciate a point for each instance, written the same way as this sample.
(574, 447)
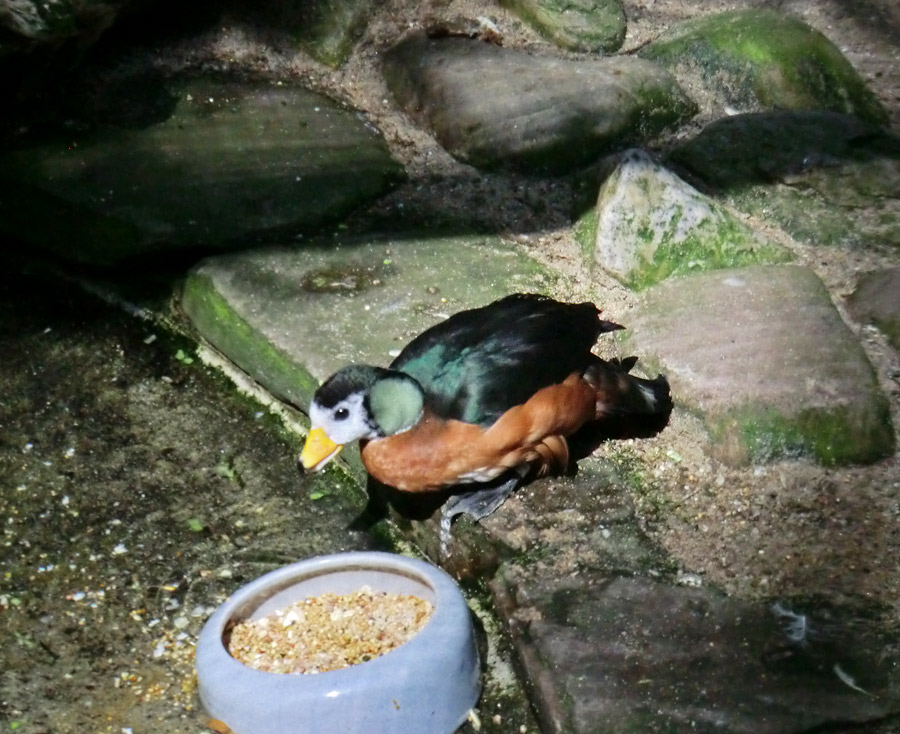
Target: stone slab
(291, 316)
(196, 163)
(628, 654)
(762, 354)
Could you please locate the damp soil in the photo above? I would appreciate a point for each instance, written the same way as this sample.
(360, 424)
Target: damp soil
(139, 490)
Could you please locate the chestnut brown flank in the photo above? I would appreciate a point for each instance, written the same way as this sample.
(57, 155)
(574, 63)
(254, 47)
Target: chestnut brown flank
(437, 452)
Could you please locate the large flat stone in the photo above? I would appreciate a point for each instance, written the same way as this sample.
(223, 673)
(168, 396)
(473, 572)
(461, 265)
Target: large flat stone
(763, 355)
(612, 637)
(620, 654)
(290, 317)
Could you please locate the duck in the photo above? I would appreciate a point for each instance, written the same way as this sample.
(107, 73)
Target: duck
(485, 401)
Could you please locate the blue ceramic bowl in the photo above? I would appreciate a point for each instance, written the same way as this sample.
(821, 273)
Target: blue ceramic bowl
(426, 686)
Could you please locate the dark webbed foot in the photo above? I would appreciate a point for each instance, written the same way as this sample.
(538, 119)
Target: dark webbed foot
(476, 503)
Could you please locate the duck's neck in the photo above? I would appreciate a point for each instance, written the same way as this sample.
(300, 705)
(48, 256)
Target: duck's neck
(397, 403)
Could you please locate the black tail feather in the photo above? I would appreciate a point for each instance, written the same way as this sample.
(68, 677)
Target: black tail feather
(635, 407)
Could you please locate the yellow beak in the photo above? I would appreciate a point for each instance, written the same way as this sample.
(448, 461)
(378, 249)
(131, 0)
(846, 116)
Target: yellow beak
(318, 450)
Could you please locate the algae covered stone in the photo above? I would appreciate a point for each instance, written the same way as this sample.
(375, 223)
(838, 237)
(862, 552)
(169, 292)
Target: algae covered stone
(495, 107)
(649, 225)
(213, 164)
(579, 25)
(759, 59)
(763, 356)
(327, 29)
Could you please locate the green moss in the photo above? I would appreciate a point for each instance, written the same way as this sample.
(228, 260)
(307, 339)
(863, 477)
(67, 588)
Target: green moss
(832, 437)
(802, 214)
(771, 59)
(585, 232)
(724, 243)
(249, 349)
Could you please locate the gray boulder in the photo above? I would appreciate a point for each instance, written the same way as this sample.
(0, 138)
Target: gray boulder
(495, 107)
(213, 165)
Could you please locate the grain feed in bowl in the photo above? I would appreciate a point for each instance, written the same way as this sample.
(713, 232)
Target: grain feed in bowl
(328, 632)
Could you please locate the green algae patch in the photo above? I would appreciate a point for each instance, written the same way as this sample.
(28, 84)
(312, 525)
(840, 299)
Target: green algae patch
(649, 225)
(719, 241)
(833, 437)
(219, 323)
(763, 59)
(585, 233)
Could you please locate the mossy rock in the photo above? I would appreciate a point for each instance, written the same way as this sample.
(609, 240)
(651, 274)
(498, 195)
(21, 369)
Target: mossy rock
(844, 434)
(764, 358)
(762, 59)
(650, 225)
(203, 164)
(290, 316)
(328, 29)
(582, 25)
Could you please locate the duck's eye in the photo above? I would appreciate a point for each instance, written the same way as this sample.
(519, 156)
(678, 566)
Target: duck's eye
(341, 414)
